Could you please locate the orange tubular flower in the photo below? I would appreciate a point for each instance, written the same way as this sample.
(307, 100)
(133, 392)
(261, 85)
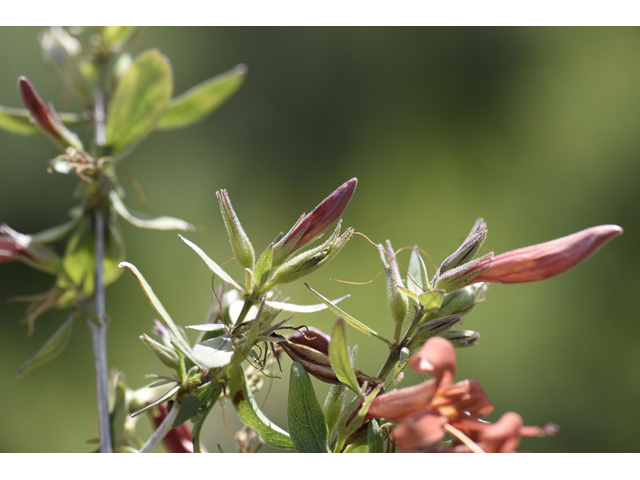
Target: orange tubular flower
(426, 411)
(545, 260)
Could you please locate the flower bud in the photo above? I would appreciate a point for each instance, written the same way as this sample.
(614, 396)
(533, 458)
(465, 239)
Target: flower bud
(464, 254)
(311, 337)
(16, 246)
(545, 260)
(309, 228)
(240, 244)
(311, 260)
(462, 338)
(46, 117)
(460, 276)
(396, 299)
(463, 300)
(166, 355)
(433, 328)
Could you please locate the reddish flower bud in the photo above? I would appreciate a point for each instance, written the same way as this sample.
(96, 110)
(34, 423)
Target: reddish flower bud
(545, 260)
(37, 108)
(311, 337)
(314, 224)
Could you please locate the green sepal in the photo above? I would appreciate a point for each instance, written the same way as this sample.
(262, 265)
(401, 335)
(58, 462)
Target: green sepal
(334, 405)
(263, 266)
(139, 100)
(118, 410)
(142, 220)
(431, 300)
(374, 437)
(249, 412)
(417, 280)
(56, 233)
(199, 101)
(339, 356)
(307, 425)
(196, 399)
(240, 244)
(53, 347)
(462, 338)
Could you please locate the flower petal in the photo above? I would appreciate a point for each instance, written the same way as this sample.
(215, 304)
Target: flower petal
(463, 399)
(400, 404)
(437, 357)
(420, 431)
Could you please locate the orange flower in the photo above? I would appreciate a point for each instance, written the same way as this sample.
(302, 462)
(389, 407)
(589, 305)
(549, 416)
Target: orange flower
(545, 260)
(424, 412)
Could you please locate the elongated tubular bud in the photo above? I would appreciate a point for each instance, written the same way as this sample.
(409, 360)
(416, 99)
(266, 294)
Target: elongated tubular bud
(545, 260)
(240, 243)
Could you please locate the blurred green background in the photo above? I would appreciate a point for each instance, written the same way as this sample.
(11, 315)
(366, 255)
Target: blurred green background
(534, 129)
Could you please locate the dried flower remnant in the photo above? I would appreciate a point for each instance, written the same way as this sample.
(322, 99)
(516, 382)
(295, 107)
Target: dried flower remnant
(426, 411)
(545, 260)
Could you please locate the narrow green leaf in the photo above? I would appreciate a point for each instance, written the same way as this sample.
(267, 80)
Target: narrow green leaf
(140, 99)
(195, 400)
(142, 220)
(118, 411)
(416, 273)
(16, 120)
(57, 233)
(348, 318)
(215, 268)
(158, 401)
(196, 103)
(307, 426)
(431, 300)
(54, 345)
(215, 352)
(376, 445)
(157, 306)
(249, 412)
(263, 266)
(293, 308)
(412, 295)
(339, 356)
(195, 434)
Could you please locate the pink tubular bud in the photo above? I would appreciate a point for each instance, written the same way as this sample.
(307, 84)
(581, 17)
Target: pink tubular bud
(178, 440)
(310, 227)
(37, 108)
(545, 260)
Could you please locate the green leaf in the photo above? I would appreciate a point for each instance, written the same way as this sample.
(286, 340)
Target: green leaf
(215, 268)
(118, 411)
(158, 401)
(176, 334)
(57, 233)
(54, 345)
(199, 101)
(79, 257)
(215, 352)
(417, 273)
(16, 120)
(140, 99)
(376, 445)
(249, 412)
(307, 426)
(117, 35)
(195, 400)
(431, 300)
(195, 434)
(293, 308)
(339, 356)
(142, 220)
(263, 266)
(348, 318)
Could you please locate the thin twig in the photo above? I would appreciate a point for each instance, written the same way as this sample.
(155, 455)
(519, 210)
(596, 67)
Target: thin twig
(162, 430)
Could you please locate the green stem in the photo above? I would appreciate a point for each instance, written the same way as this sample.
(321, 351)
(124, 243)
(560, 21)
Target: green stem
(394, 355)
(99, 331)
